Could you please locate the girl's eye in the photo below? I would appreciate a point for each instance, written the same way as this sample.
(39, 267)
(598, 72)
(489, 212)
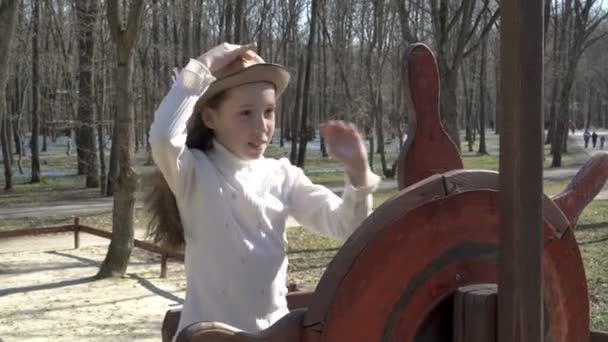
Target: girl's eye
(269, 113)
(246, 113)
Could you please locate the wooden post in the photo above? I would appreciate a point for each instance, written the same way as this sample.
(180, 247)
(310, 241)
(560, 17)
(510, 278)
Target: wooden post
(163, 265)
(520, 272)
(76, 232)
(475, 313)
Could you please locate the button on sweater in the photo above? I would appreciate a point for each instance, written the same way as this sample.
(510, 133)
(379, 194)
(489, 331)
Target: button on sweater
(234, 214)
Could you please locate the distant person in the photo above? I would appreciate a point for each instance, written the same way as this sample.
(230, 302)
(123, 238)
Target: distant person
(572, 126)
(602, 140)
(594, 138)
(586, 137)
(68, 146)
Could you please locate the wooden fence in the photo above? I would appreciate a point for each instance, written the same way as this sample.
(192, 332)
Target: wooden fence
(77, 228)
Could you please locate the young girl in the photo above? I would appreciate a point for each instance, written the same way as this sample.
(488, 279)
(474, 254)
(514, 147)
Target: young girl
(225, 203)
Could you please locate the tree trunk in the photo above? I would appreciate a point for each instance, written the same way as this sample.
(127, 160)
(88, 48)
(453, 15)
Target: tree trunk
(239, 36)
(100, 102)
(35, 95)
(323, 114)
(86, 12)
(467, 111)
(306, 91)
(482, 96)
(293, 156)
(8, 18)
(6, 152)
(557, 145)
(228, 16)
(449, 106)
(187, 32)
(113, 167)
(119, 251)
(101, 98)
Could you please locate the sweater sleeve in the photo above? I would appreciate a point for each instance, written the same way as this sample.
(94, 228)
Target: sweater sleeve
(168, 130)
(319, 209)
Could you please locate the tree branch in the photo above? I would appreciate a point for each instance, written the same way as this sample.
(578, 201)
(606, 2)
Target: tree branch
(484, 32)
(136, 14)
(594, 40)
(112, 13)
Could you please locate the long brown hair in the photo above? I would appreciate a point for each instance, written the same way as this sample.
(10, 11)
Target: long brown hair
(165, 226)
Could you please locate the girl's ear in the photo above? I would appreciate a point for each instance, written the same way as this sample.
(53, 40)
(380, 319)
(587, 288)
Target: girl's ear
(208, 117)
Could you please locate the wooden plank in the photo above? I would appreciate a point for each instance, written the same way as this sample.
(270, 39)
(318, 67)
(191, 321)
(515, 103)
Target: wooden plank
(583, 188)
(296, 299)
(163, 265)
(288, 328)
(520, 296)
(36, 231)
(76, 232)
(458, 181)
(475, 313)
(150, 247)
(598, 336)
(428, 149)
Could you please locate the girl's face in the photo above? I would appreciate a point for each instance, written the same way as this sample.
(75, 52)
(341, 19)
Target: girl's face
(244, 122)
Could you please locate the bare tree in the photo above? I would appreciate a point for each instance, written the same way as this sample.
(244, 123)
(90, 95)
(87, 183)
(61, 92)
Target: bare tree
(119, 251)
(303, 134)
(482, 91)
(586, 17)
(454, 26)
(35, 94)
(8, 18)
(86, 12)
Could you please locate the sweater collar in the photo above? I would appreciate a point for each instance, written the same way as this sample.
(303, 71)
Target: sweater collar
(228, 161)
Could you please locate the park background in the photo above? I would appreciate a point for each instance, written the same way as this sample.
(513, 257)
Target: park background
(80, 81)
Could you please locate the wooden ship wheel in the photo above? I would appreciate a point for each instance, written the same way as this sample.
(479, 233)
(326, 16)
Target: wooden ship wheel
(415, 268)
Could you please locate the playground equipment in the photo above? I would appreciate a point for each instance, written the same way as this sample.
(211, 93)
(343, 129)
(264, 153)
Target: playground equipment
(423, 265)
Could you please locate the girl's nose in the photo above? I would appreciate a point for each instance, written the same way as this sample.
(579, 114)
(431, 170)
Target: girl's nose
(260, 124)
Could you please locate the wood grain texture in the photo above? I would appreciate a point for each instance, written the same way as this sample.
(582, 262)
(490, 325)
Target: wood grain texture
(409, 268)
(583, 188)
(466, 180)
(288, 328)
(520, 299)
(296, 299)
(391, 210)
(475, 313)
(598, 336)
(428, 149)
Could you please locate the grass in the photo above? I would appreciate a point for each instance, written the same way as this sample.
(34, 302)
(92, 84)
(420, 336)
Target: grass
(592, 236)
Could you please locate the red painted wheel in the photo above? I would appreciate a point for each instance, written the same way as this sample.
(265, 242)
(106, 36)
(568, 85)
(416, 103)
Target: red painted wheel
(394, 279)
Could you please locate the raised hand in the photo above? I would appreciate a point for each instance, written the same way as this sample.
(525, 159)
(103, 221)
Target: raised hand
(344, 144)
(223, 54)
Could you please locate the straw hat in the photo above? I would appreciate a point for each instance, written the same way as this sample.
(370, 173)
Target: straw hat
(248, 69)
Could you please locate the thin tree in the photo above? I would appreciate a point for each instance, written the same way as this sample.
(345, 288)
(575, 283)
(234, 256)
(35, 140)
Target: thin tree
(86, 14)
(303, 134)
(482, 92)
(454, 26)
(8, 18)
(35, 94)
(119, 251)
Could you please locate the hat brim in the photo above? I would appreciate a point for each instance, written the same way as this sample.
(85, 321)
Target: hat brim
(265, 72)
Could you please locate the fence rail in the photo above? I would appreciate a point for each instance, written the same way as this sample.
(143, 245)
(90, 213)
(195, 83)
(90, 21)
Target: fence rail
(77, 228)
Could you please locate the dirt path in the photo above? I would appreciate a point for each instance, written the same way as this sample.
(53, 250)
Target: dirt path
(50, 296)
